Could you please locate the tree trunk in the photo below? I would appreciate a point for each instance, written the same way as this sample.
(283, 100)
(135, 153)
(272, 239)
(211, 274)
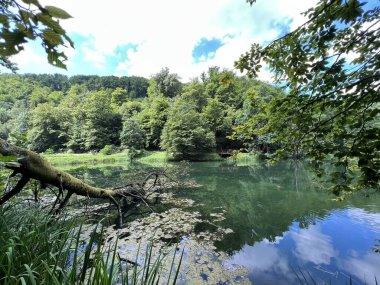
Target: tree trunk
(33, 166)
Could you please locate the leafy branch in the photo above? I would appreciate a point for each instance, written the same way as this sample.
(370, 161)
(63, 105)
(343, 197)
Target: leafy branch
(20, 23)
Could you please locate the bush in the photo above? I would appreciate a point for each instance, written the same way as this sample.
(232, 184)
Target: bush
(49, 151)
(107, 150)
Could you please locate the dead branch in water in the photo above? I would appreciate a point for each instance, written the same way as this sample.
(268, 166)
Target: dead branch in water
(31, 165)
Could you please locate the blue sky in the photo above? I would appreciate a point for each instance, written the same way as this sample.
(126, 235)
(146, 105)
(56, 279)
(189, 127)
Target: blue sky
(125, 37)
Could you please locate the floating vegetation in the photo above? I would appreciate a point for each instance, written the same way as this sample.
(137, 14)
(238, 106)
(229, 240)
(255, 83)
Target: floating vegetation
(168, 232)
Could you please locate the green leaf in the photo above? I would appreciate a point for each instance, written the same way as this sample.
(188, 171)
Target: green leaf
(49, 22)
(25, 15)
(7, 158)
(35, 2)
(4, 20)
(52, 37)
(57, 12)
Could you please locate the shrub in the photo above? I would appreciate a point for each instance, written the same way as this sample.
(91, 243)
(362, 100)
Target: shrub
(107, 150)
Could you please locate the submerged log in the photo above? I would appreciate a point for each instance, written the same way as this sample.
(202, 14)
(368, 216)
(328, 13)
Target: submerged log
(31, 165)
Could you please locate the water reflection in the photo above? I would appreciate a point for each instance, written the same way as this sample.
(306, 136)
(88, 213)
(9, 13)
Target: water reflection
(363, 267)
(265, 264)
(311, 245)
(322, 250)
(282, 224)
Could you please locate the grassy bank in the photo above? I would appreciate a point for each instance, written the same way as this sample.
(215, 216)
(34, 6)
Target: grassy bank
(86, 158)
(154, 158)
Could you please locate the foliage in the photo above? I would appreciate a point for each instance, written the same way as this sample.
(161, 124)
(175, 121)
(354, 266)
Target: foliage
(218, 117)
(165, 83)
(193, 94)
(254, 117)
(130, 109)
(56, 82)
(107, 149)
(52, 253)
(330, 66)
(45, 131)
(185, 134)
(119, 96)
(39, 95)
(101, 125)
(223, 86)
(135, 86)
(153, 119)
(132, 136)
(29, 20)
(86, 113)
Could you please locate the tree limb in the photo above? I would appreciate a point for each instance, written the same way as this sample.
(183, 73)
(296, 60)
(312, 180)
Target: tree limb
(19, 186)
(33, 166)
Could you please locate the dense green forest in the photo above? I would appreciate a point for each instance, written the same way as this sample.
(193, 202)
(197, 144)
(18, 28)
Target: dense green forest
(91, 113)
(247, 221)
(329, 67)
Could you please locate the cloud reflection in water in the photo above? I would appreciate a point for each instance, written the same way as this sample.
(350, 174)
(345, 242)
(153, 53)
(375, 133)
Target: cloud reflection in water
(320, 249)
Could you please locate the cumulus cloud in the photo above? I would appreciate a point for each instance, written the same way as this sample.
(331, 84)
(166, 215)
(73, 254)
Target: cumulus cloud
(30, 60)
(313, 246)
(165, 32)
(365, 268)
(265, 263)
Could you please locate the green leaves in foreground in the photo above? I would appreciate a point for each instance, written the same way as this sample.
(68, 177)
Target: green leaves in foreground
(7, 158)
(57, 12)
(331, 111)
(20, 23)
(37, 250)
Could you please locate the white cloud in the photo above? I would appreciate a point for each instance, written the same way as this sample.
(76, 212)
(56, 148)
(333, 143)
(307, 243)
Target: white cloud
(313, 246)
(364, 217)
(31, 61)
(94, 56)
(366, 267)
(28, 56)
(166, 31)
(265, 262)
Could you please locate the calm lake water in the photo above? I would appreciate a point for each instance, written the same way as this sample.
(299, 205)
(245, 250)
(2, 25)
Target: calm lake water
(283, 225)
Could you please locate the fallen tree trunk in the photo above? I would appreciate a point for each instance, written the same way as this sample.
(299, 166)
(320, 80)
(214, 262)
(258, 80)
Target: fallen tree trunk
(31, 165)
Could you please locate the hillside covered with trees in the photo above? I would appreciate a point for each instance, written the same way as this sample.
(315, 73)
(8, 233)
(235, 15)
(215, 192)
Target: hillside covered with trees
(89, 113)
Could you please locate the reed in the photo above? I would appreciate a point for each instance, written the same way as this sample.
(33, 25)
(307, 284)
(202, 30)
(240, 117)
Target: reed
(37, 249)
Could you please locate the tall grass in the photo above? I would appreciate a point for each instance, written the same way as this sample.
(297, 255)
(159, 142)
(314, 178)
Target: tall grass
(34, 249)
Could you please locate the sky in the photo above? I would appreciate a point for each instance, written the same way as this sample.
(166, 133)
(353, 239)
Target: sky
(125, 37)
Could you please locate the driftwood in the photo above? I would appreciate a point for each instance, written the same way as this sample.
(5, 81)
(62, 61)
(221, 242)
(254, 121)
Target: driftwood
(31, 165)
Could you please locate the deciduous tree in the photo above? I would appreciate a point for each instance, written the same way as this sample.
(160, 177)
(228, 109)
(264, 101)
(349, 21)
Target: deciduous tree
(330, 67)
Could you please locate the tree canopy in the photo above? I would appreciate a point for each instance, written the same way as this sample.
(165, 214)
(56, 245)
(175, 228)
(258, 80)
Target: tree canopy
(57, 113)
(330, 69)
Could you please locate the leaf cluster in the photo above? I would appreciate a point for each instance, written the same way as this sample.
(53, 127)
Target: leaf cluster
(330, 69)
(28, 20)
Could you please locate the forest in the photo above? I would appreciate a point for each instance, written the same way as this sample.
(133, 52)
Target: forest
(54, 113)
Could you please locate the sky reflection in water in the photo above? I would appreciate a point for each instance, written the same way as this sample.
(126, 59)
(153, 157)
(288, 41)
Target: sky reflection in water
(282, 224)
(332, 249)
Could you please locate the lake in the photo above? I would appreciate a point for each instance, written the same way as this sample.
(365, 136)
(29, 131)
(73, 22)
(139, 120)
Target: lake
(281, 228)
